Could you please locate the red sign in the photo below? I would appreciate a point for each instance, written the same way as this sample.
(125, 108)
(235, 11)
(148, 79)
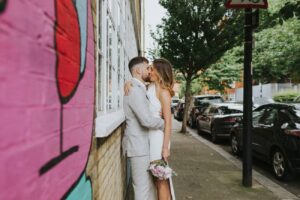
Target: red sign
(246, 4)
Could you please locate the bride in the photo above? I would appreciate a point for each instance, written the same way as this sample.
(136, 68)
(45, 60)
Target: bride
(159, 93)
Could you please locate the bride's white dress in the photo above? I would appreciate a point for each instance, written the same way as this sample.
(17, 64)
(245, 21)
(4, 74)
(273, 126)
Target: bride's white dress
(156, 137)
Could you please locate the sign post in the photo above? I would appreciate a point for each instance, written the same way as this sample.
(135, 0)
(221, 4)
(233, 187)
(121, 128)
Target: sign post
(247, 111)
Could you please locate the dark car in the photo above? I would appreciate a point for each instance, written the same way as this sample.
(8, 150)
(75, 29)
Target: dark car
(199, 104)
(178, 111)
(174, 103)
(276, 137)
(218, 119)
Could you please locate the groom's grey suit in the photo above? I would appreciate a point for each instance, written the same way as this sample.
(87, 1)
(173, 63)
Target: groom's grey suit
(136, 141)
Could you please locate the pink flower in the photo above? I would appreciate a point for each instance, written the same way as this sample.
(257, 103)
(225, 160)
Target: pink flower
(161, 170)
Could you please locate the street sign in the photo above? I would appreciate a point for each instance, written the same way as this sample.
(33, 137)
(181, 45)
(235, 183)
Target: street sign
(246, 4)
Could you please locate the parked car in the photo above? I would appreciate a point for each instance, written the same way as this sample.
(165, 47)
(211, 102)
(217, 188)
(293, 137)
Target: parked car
(218, 119)
(178, 111)
(174, 103)
(199, 104)
(276, 137)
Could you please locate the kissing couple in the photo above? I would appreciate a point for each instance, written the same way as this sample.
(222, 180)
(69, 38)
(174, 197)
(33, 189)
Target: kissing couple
(146, 141)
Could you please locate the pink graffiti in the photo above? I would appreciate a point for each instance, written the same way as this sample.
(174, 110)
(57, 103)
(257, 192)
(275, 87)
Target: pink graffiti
(31, 108)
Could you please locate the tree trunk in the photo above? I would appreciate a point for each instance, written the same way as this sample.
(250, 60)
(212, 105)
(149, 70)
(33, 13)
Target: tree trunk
(187, 104)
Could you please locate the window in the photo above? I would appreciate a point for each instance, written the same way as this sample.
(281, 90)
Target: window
(283, 117)
(268, 117)
(99, 55)
(119, 74)
(213, 110)
(256, 116)
(112, 57)
(109, 65)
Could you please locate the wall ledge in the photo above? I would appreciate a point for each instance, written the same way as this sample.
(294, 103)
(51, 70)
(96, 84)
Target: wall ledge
(108, 122)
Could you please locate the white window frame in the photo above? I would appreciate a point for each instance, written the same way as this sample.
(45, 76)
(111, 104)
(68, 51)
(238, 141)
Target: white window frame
(107, 120)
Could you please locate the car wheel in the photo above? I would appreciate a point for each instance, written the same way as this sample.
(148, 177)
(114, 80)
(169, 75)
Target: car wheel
(234, 143)
(279, 165)
(214, 137)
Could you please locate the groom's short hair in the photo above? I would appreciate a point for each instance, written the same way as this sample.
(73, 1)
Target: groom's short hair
(135, 61)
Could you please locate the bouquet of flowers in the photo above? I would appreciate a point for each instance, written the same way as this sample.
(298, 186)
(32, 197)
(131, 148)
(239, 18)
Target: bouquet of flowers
(161, 170)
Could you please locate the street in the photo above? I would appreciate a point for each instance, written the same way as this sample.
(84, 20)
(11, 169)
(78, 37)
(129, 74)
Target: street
(263, 168)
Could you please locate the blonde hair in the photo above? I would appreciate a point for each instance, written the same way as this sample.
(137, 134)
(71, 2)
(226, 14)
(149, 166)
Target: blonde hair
(165, 73)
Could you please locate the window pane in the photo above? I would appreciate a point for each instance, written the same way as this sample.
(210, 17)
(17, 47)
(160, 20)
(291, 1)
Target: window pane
(119, 74)
(99, 24)
(118, 18)
(109, 65)
(99, 56)
(100, 104)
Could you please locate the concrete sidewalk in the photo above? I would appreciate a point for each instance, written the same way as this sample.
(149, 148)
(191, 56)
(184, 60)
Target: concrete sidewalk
(203, 173)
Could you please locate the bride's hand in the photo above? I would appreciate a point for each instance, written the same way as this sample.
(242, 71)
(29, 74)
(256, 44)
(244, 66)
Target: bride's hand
(166, 154)
(127, 86)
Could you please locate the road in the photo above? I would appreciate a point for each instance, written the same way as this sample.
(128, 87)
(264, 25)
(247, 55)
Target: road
(292, 186)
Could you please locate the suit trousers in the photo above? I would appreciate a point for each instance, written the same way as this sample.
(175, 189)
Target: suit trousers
(142, 180)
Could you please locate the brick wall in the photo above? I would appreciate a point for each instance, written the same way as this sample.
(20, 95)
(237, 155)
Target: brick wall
(107, 167)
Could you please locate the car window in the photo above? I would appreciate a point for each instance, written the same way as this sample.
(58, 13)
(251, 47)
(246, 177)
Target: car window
(283, 117)
(297, 113)
(256, 116)
(206, 110)
(210, 99)
(268, 117)
(225, 110)
(213, 110)
(294, 115)
(175, 100)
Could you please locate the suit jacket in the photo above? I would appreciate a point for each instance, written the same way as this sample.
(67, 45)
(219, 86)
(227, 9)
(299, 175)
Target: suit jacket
(138, 121)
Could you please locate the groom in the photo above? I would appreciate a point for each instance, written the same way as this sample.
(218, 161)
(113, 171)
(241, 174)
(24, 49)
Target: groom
(138, 122)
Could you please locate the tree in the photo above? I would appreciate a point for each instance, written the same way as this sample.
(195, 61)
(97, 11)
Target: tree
(276, 53)
(276, 56)
(194, 35)
(224, 72)
(278, 12)
(196, 87)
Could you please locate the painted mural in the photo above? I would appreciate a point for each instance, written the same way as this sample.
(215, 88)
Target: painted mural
(47, 71)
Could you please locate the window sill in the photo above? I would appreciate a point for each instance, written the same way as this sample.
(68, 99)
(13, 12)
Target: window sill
(107, 123)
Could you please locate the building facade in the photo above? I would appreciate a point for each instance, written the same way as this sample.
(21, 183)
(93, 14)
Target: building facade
(63, 66)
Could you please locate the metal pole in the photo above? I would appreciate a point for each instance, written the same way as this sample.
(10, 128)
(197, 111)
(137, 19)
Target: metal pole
(247, 116)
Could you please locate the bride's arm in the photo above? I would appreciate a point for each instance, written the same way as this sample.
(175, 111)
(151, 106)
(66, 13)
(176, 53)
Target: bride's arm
(165, 99)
